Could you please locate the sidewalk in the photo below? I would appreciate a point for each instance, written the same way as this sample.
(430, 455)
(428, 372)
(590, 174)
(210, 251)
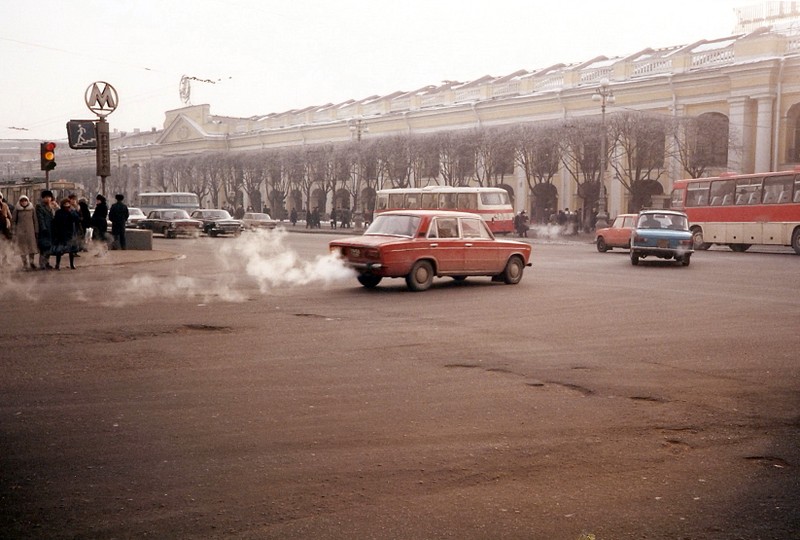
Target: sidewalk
(116, 257)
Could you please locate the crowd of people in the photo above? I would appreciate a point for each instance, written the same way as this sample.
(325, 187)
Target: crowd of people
(50, 228)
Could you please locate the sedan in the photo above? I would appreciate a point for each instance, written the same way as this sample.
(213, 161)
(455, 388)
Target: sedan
(135, 215)
(216, 222)
(171, 223)
(618, 235)
(256, 220)
(664, 234)
(418, 245)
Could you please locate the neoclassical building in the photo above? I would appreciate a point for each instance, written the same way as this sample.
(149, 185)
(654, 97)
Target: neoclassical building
(752, 79)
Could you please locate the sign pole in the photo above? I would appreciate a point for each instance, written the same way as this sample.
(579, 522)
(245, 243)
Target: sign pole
(103, 153)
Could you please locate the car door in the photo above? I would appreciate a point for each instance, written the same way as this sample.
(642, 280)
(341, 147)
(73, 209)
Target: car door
(446, 245)
(481, 252)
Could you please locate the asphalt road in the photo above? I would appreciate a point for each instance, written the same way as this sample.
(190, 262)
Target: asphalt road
(247, 389)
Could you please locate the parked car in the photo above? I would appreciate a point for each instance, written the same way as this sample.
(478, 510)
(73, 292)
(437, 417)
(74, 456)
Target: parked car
(216, 222)
(135, 215)
(257, 220)
(617, 235)
(171, 223)
(664, 234)
(418, 245)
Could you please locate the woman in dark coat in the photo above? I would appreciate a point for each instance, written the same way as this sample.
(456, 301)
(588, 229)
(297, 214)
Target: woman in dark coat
(86, 222)
(66, 230)
(99, 219)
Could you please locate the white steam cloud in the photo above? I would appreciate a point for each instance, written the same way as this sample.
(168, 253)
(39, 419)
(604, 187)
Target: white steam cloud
(261, 257)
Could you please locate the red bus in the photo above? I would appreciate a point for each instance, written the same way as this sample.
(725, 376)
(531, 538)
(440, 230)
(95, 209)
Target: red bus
(491, 203)
(739, 210)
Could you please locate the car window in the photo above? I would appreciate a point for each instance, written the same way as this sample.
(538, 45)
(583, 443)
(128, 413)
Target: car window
(618, 222)
(446, 228)
(473, 228)
(394, 225)
(628, 222)
(649, 221)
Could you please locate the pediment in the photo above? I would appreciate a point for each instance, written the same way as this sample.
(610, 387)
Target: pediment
(182, 129)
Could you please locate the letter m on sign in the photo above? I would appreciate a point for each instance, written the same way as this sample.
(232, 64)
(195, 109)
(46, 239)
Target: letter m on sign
(101, 102)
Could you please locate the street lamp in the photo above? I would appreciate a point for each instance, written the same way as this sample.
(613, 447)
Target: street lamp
(604, 95)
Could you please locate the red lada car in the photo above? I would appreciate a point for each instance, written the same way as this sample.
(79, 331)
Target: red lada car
(617, 235)
(419, 245)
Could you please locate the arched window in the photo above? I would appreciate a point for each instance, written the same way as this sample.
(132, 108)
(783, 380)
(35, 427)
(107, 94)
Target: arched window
(793, 134)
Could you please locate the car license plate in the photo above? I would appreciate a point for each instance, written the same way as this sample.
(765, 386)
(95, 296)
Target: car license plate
(355, 252)
(663, 243)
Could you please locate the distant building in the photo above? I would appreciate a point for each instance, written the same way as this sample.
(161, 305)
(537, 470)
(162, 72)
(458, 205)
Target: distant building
(752, 78)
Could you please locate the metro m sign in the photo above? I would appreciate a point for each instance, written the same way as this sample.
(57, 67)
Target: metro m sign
(101, 101)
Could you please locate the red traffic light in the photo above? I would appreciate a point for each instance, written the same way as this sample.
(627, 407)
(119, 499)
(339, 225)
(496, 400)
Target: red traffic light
(48, 156)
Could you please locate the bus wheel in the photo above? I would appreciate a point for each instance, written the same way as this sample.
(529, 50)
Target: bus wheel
(739, 248)
(369, 281)
(602, 247)
(796, 241)
(420, 277)
(697, 237)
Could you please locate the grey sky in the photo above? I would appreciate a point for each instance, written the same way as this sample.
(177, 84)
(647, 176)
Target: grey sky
(272, 56)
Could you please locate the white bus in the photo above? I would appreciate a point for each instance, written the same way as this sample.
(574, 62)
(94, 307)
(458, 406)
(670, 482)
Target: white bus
(491, 203)
(168, 199)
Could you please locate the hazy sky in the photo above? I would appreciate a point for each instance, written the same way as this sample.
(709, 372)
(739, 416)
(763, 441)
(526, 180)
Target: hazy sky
(276, 55)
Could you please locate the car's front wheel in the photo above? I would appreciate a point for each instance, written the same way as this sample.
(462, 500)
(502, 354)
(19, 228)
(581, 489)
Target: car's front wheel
(685, 259)
(602, 247)
(513, 271)
(420, 277)
(634, 258)
(369, 281)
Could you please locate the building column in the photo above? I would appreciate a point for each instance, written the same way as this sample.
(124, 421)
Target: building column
(741, 136)
(763, 130)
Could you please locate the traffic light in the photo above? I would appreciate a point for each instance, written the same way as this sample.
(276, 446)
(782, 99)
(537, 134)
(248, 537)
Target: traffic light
(47, 152)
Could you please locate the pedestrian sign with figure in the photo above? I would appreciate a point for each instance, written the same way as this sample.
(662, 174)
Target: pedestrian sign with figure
(82, 134)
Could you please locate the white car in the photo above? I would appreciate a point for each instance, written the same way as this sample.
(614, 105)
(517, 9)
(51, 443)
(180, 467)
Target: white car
(257, 220)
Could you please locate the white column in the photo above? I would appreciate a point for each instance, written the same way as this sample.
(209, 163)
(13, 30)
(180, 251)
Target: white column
(741, 136)
(763, 133)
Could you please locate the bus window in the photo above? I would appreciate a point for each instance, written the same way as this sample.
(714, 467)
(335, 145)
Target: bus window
(467, 201)
(778, 189)
(722, 192)
(429, 201)
(797, 189)
(412, 201)
(494, 198)
(748, 191)
(448, 201)
(677, 198)
(381, 201)
(396, 200)
(697, 194)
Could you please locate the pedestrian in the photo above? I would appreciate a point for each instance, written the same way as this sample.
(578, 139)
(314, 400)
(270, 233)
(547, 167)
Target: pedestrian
(44, 218)
(99, 219)
(333, 218)
(6, 232)
(86, 222)
(26, 228)
(293, 216)
(118, 214)
(66, 227)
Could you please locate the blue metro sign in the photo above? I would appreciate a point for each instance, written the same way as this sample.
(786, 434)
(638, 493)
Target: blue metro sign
(82, 134)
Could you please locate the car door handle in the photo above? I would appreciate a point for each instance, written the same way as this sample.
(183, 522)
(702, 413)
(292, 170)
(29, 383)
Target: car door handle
(468, 244)
(434, 245)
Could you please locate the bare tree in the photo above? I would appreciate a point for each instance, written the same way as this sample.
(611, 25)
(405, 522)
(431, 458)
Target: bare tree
(702, 142)
(537, 151)
(425, 163)
(494, 155)
(639, 141)
(457, 156)
(581, 156)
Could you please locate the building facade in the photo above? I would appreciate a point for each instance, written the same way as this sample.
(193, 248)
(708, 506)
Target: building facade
(751, 79)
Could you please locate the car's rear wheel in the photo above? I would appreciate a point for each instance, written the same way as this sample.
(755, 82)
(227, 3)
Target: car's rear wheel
(212, 233)
(420, 277)
(513, 271)
(369, 281)
(685, 259)
(602, 247)
(634, 258)
(459, 278)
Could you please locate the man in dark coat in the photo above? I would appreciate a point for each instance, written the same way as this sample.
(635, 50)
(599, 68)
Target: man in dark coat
(118, 216)
(99, 223)
(44, 216)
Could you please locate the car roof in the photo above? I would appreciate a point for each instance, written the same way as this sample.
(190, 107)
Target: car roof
(429, 213)
(672, 212)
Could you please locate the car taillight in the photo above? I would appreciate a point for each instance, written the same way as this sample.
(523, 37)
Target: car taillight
(687, 243)
(372, 254)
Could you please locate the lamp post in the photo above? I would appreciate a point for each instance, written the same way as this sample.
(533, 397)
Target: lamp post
(604, 95)
(357, 127)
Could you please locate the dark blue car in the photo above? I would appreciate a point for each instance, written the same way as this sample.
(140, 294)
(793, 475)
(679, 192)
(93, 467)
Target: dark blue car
(662, 233)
